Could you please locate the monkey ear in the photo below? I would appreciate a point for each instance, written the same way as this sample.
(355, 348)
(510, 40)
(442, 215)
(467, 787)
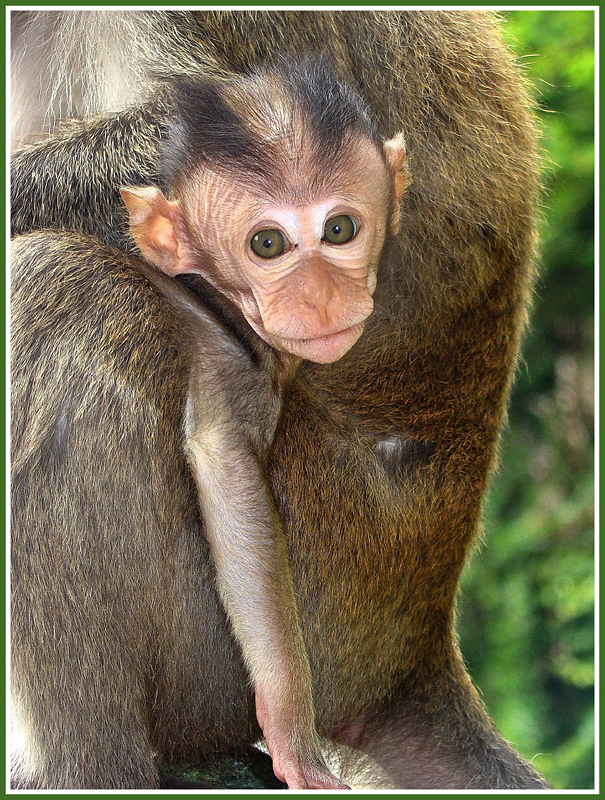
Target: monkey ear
(157, 227)
(394, 151)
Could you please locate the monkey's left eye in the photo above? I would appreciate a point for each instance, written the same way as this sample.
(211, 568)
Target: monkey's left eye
(340, 229)
(268, 244)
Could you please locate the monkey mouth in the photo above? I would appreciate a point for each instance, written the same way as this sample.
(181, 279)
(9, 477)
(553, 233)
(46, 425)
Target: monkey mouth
(323, 349)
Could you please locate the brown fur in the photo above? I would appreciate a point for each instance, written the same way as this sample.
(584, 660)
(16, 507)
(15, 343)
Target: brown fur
(379, 463)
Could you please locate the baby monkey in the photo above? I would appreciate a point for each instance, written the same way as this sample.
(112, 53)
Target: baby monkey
(280, 194)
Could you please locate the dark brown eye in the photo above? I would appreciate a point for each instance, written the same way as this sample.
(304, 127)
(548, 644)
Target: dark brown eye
(268, 244)
(340, 230)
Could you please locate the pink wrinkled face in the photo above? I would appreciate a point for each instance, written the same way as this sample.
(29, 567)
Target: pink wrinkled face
(298, 254)
(302, 273)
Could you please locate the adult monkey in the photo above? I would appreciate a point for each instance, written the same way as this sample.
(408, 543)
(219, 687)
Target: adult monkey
(380, 460)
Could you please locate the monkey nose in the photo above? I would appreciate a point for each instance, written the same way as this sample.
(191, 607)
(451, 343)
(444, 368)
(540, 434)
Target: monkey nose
(317, 308)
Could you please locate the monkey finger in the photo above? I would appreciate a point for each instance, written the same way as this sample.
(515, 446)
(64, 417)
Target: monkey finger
(302, 779)
(301, 773)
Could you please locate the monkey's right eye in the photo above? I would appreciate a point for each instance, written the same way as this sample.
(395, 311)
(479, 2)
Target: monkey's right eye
(268, 244)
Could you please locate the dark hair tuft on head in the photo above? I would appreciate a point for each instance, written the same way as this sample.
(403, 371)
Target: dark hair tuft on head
(204, 128)
(331, 106)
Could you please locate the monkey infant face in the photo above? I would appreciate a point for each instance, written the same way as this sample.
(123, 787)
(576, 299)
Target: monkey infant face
(300, 262)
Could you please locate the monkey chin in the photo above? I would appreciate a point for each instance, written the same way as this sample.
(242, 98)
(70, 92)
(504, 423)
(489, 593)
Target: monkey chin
(322, 349)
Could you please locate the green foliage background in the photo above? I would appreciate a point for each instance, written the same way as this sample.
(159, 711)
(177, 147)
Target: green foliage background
(526, 609)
